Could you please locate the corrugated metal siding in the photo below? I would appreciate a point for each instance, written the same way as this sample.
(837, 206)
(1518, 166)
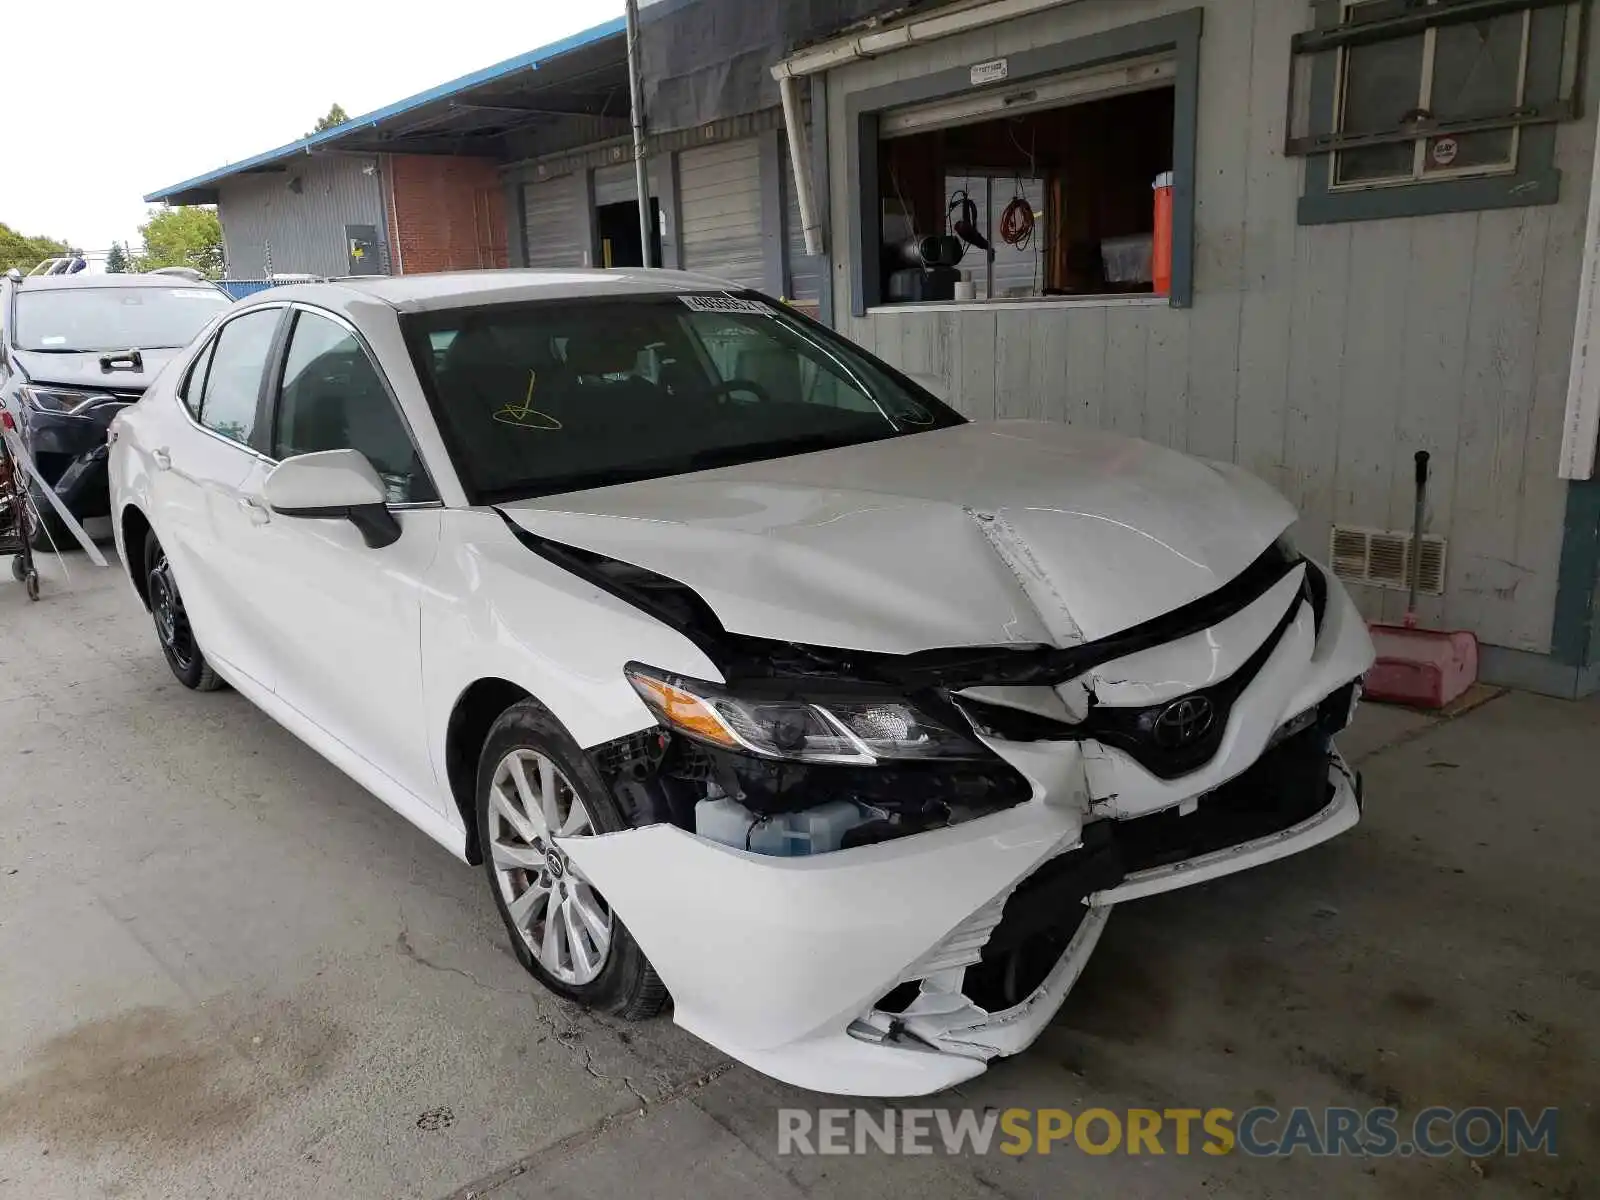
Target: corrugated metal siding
(1318, 357)
(554, 228)
(719, 189)
(304, 229)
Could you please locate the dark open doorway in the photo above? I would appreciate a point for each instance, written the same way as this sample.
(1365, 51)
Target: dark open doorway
(619, 234)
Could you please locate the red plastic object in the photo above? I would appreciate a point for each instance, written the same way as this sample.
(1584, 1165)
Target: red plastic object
(1424, 668)
(1161, 245)
(1421, 667)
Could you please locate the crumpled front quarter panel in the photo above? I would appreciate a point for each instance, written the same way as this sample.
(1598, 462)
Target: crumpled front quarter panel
(496, 610)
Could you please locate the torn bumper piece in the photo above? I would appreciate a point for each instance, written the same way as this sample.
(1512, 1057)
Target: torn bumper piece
(1061, 905)
(974, 933)
(771, 959)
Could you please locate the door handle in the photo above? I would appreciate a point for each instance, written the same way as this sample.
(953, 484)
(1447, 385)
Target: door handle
(162, 458)
(258, 513)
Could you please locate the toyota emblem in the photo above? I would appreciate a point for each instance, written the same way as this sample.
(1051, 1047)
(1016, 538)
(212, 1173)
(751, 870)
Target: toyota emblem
(1184, 722)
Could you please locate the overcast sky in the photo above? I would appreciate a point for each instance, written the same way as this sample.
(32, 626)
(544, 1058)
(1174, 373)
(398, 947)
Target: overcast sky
(106, 101)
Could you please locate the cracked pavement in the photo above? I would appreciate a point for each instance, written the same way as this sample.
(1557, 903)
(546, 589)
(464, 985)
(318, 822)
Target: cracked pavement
(229, 972)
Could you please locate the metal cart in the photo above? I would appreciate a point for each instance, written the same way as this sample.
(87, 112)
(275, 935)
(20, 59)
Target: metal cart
(18, 520)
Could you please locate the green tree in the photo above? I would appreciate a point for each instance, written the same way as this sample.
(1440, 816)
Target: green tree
(25, 253)
(336, 116)
(185, 236)
(117, 260)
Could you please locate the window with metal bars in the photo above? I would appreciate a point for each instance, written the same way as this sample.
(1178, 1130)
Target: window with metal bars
(1406, 107)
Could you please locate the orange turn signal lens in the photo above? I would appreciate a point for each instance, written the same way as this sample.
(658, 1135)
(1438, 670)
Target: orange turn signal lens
(681, 710)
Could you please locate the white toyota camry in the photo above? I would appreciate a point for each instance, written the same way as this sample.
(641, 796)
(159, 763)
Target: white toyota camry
(754, 676)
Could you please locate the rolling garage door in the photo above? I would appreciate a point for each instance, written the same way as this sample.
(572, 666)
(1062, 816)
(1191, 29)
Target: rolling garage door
(616, 184)
(719, 189)
(555, 232)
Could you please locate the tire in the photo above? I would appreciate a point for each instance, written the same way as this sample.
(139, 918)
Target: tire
(178, 643)
(624, 983)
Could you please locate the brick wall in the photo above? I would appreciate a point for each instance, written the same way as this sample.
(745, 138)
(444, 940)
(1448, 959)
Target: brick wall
(445, 214)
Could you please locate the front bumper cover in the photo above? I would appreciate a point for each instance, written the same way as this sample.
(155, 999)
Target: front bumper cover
(781, 962)
(70, 451)
(942, 1038)
(800, 967)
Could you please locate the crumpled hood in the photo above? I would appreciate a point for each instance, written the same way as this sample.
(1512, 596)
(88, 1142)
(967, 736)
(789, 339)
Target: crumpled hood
(994, 532)
(82, 370)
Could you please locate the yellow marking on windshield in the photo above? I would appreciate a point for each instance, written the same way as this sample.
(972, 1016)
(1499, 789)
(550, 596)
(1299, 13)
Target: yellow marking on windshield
(525, 415)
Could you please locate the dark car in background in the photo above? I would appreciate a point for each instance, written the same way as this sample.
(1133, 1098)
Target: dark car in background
(74, 351)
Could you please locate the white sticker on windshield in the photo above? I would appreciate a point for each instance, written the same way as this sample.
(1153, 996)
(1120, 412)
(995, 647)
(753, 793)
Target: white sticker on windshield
(724, 304)
(56, 340)
(196, 294)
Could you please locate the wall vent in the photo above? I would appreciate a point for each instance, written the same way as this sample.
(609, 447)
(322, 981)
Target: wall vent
(1382, 558)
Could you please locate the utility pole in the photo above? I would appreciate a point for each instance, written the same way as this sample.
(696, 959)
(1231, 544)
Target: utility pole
(640, 171)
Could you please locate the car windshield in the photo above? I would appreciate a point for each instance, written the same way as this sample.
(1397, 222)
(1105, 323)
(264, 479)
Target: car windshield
(62, 320)
(559, 396)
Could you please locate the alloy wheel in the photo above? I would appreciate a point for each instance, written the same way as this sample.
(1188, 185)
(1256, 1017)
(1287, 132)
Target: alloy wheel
(172, 623)
(562, 920)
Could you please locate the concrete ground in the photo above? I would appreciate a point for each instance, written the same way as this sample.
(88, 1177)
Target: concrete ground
(227, 971)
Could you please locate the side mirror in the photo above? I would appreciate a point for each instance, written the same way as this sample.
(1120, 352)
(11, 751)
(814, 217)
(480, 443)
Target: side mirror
(334, 485)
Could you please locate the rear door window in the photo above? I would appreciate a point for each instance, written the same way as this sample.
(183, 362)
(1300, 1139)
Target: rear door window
(232, 390)
(195, 381)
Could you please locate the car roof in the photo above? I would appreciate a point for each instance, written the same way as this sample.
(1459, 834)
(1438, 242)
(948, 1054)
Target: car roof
(83, 280)
(423, 293)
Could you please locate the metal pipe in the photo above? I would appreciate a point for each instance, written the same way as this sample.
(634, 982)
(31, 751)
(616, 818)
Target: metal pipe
(641, 175)
(800, 163)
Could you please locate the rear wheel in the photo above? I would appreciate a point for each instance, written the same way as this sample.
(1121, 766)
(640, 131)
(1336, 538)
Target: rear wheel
(173, 630)
(535, 785)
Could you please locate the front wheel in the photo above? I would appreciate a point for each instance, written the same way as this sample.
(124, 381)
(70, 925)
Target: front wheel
(536, 785)
(173, 630)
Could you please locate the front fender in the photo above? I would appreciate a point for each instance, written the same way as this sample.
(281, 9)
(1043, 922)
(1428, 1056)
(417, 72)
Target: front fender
(496, 610)
(128, 482)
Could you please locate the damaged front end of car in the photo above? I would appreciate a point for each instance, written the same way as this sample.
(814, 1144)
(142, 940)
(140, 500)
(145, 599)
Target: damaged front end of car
(873, 873)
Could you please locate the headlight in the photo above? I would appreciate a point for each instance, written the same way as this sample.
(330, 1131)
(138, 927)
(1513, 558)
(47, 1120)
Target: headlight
(59, 400)
(818, 729)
